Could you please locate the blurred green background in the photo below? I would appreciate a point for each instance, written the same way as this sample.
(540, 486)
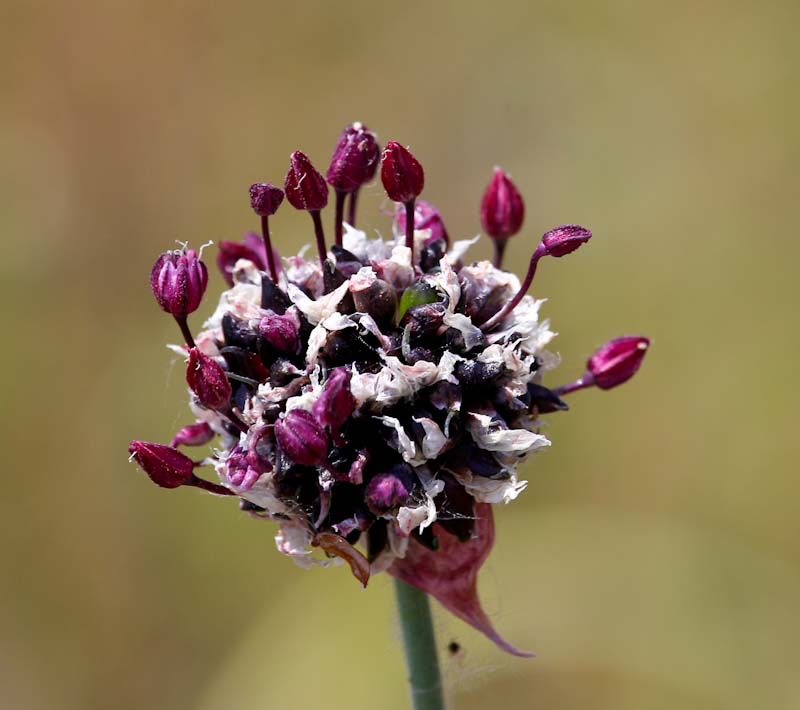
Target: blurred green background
(654, 560)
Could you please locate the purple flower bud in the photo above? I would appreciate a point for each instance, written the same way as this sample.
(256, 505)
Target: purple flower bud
(166, 466)
(301, 438)
(355, 158)
(195, 434)
(426, 216)
(336, 403)
(252, 249)
(281, 332)
(265, 198)
(617, 361)
(305, 187)
(208, 381)
(565, 239)
(402, 176)
(502, 207)
(178, 280)
(386, 491)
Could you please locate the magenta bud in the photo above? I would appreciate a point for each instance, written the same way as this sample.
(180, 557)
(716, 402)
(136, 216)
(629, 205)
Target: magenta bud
(617, 361)
(178, 280)
(301, 438)
(402, 176)
(502, 207)
(336, 403)
(265, 198)
(166, 466)
(281, 332)
(354, 160)
(195, 434)
(252, 249)
(426, 216)
(386, 491)
(305, 187)
(565, 239)
(208, 381)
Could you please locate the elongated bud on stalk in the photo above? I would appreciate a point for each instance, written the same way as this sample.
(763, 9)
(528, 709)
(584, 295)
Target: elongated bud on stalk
(208, 381)
(617, 361)
(301, 438)
(305, 187)
(306, 190)
(402, 176)
(565, 239)
(502, 207)
(265, 199)
(557, 242)
(166, 466)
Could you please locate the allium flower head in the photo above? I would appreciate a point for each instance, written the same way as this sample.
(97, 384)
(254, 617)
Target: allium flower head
(376, 401)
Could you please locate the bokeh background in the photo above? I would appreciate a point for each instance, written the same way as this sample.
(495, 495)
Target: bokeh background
(654, 560)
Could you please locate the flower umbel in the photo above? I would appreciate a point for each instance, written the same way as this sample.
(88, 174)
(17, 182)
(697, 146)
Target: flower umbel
(377, 400)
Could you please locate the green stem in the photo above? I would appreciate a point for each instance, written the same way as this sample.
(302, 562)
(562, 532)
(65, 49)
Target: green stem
(419, 643)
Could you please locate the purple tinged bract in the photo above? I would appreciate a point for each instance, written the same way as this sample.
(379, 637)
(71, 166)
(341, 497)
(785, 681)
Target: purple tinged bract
(208, 381)
(502, 207)
(305, 187)
(401, 174)
(617, 361)
(178, 280)
(301, 438)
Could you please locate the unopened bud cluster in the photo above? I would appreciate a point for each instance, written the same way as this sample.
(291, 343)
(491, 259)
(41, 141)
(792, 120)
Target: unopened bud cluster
(373, 398)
